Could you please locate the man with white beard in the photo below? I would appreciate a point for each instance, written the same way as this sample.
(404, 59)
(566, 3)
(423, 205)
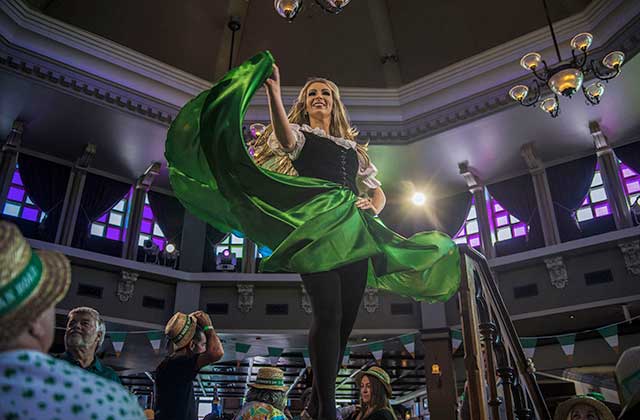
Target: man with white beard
(83, 337)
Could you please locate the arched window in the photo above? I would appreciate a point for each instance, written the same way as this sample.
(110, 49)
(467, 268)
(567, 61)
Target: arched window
(630, 182)
(233, 243)
(113, 223)
(504, 226)
(18, 203)
(596, 202)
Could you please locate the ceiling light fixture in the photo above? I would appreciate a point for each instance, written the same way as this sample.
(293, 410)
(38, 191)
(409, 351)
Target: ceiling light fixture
(566, 79)
(289, 9)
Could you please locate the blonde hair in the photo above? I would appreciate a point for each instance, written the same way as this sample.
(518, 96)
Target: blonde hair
(339, 127)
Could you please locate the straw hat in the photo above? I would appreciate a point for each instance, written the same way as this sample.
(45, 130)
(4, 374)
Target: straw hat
(628, 377)
(270, 378)
(379, 374)
(564, 409)
(30, 282)
(180, 329)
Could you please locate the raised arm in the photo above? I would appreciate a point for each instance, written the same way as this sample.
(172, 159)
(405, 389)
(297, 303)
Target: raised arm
(277, 113)
(374, 201)
(214, 351)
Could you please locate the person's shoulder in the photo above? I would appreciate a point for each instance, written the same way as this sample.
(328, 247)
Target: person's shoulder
(382, 414)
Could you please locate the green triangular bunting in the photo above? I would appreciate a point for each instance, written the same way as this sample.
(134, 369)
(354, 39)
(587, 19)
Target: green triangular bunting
(568, 343)
(155, 338)
(409, 343)
(274, 354)
(456, 339)
(117, 339)
(529, 346)
(610, 334)
(377, 349)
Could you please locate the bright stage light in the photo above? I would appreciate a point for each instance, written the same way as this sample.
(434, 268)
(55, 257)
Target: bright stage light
(418, 199)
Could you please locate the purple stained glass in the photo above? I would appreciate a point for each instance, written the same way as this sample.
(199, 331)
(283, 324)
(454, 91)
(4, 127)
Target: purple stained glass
(497, 207)
(520, 230)
(16, 194)
(602, 210)
(113, 233)
(159, 242)
(103, 218)
(474, 241)
(633, 186)
(585, 202)
(16, 178)
(502, 219)
(147, 213)
(29, 213)
(146, 226)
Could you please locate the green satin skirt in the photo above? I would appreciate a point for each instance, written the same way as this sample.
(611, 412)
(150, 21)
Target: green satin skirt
(311, 225)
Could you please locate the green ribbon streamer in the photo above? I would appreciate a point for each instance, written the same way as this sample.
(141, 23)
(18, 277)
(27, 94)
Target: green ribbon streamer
(279, 382)
(312, 225)
(20, 288)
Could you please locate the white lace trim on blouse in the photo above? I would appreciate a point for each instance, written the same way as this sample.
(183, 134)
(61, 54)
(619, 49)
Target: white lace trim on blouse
(366, 174)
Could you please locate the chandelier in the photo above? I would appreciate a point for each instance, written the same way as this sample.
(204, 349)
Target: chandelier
(566, 79)
(288, 9)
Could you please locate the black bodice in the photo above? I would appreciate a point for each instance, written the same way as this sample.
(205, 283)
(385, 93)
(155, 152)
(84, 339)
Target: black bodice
(324, 159)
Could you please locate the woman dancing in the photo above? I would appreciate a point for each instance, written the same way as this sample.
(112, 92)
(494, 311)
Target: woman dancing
(300, 198)
(318, 140)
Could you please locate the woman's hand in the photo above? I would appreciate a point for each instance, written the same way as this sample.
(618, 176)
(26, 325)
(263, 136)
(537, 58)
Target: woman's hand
(365, 203)
(272, 84)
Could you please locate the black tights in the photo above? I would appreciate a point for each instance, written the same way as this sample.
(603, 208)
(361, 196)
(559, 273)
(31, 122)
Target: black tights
(335, 298)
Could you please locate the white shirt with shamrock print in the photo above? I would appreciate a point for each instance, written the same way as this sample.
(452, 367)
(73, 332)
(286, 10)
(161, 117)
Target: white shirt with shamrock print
(34, 385)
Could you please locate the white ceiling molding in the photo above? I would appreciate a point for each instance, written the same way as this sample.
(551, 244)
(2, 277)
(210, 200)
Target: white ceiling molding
(88, 66)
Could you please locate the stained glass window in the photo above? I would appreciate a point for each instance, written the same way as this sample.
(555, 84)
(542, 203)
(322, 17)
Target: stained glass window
(469, 233)
(233, 243)
(504, 226)
(113, 223)
(630, 182)
(595, 204)
(18, 203)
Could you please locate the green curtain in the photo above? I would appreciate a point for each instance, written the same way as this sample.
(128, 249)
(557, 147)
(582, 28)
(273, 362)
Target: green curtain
(312, 225)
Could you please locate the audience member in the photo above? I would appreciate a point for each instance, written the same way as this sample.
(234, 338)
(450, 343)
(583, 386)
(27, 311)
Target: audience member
(34, 385)
(83, 338)
(266, 398)
(583, 407)
(195, 345)
(628, 378)
(375, 391)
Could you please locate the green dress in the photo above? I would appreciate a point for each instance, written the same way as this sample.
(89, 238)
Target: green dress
(311, 225)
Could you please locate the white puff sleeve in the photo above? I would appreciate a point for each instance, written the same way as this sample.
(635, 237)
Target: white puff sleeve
(367, 174)
(276, 146)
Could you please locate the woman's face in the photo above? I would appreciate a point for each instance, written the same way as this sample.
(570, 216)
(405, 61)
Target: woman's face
(319, 101)
(365, 390)
(583, 412)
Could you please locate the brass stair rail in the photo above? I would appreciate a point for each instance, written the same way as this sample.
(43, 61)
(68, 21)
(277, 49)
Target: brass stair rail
(492, 350)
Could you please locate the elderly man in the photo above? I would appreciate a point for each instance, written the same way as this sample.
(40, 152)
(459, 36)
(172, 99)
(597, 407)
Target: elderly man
(34, 385)
(83, 338)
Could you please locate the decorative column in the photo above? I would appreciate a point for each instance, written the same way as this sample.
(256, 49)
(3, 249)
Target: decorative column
(9, 158)
(248, 256)
(439, 374)
(610, 171)
(476, 187)
(543, 195)
(73, 196)
(438, 362)
(386, 47)
(142, 185)
(192, 246)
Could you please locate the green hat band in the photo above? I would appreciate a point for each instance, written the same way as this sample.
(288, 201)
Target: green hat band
(20, 288)
(278, 382)
(183, 331)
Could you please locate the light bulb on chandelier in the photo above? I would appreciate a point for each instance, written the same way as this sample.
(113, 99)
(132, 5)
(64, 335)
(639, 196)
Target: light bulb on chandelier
(289, 9)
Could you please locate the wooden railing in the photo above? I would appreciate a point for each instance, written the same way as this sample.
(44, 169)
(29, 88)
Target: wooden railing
(498, 373)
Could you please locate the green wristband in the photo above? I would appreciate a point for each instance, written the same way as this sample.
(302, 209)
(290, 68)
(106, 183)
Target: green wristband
(207, 328)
